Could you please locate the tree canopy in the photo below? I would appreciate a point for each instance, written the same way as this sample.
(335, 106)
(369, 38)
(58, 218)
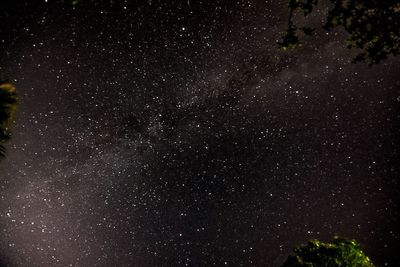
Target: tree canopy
(8, 104)
(340, 253)
(373, 26)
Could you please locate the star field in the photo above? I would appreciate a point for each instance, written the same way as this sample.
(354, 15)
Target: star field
(175, 133)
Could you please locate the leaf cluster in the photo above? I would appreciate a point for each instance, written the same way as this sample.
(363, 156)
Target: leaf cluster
(373, 26)
(8, 105)
(340, 253)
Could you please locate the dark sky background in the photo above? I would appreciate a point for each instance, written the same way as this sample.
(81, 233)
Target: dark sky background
(175, 133)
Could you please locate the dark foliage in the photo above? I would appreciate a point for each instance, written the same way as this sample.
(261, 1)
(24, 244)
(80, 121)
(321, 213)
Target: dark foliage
(340, 253)
(373, 26)
(8, 103)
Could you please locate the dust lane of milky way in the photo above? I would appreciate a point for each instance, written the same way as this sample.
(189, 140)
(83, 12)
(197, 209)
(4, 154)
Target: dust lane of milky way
(173, 133)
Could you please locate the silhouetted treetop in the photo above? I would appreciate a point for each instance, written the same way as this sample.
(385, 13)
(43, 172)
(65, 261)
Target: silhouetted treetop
(340, 253)
(373, 26)
(8, 104)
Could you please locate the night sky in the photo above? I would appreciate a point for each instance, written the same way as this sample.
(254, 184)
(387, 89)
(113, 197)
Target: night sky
(176, 133)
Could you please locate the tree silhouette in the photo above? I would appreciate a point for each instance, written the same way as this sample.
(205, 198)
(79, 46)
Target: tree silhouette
(8, 104)
(373, 26)
(340, 253)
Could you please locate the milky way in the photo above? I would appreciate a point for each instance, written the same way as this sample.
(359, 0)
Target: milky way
(167, 133)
